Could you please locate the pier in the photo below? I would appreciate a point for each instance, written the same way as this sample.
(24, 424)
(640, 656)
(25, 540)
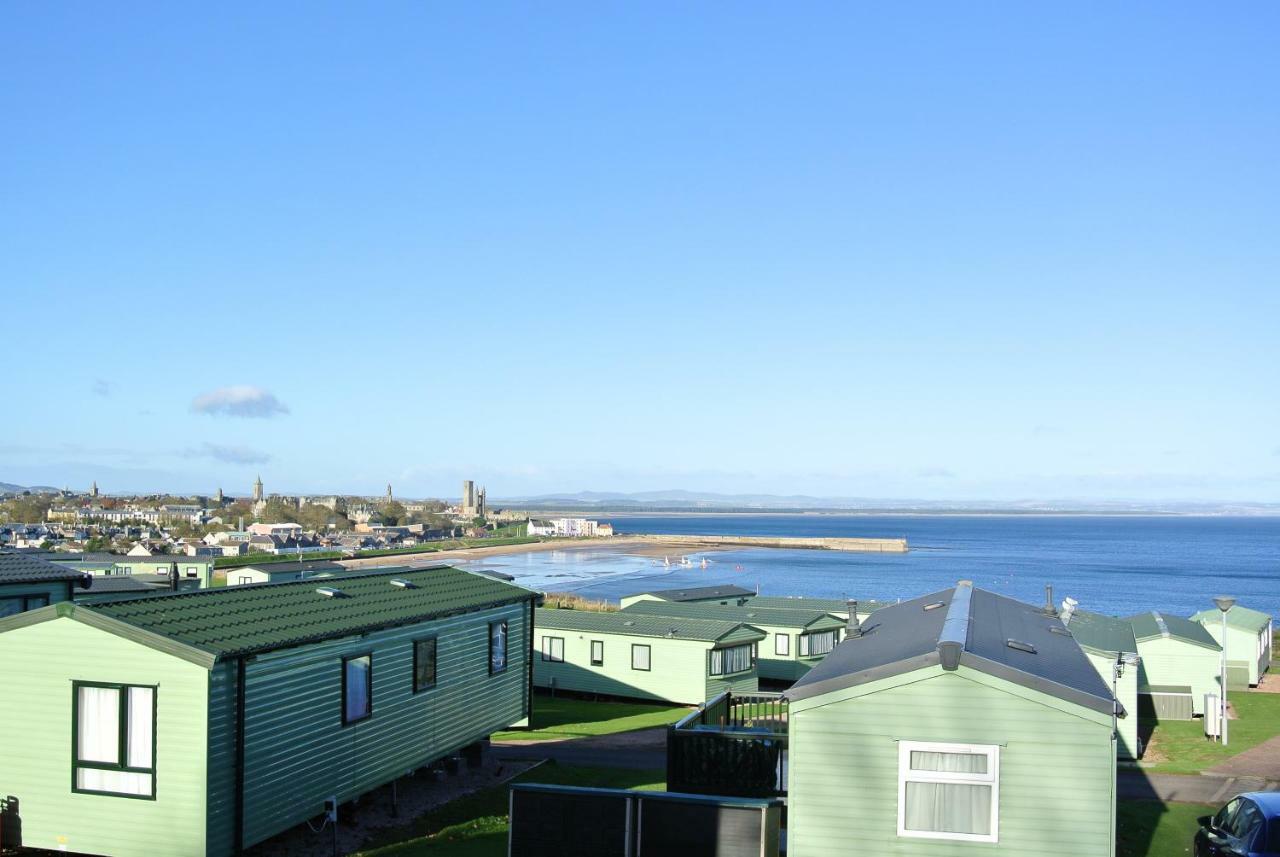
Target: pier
(797, 543)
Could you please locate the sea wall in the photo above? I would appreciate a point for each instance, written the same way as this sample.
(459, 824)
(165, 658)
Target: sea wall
(830, 544)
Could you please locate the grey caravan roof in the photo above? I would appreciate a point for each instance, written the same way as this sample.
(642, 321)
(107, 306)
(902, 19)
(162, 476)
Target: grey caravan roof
(981, 630)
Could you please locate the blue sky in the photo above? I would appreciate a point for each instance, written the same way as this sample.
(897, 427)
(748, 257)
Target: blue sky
(988, 250)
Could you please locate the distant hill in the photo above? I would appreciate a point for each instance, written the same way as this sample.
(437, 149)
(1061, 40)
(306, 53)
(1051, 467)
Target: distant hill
(10, 488)
(679, 500)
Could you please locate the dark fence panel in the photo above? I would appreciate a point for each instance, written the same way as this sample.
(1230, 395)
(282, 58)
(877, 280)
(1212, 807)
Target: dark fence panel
(563, 821)
(567, 821)
(736, 763)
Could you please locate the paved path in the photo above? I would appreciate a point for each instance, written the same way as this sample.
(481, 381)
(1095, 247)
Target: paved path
(641, 749)
(1260, 761)
(1186, 788)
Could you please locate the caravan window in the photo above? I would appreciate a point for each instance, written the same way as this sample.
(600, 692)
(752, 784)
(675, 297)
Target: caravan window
(357, 688)
(553, 649)
(114, 740)
(497, 647)
(949, 791)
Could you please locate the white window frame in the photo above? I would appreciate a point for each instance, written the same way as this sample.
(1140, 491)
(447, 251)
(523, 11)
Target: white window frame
(990, 778)
(782, 645)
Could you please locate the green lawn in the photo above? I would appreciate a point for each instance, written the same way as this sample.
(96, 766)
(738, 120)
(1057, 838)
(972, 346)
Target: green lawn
(561, 717)
(1146, 828)
(476, 825)
(1187, 751)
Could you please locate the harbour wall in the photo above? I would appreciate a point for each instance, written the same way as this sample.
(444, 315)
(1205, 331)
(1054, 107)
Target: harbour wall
(830, 544)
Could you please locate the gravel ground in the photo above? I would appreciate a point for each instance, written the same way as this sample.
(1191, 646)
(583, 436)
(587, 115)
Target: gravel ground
(359, 820)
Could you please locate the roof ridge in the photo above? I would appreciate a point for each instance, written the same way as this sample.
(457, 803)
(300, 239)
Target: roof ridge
(954, 634)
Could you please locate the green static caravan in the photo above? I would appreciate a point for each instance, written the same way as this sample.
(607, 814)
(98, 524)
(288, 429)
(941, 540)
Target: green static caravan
(955, 724)
(691, 595)
(202, 723)
(191, 568)
(1109, 644)
(29, 583)
(1248, 643)
(645, 657)
(797, 638)
(834, 606)
(1179, 659)
(282, 572)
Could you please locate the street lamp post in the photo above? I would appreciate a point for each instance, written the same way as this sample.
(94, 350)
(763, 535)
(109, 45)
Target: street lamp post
(1225, 603)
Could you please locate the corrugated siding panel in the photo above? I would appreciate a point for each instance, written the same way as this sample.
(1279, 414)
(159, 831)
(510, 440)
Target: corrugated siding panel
(37, 666)
(1171, 662)
(297, 750)
(678, 668)
(1056, 770)
(222, 761)
(747, 682)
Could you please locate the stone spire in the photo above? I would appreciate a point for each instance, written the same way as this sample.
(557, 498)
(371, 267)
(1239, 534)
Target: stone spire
(93, 489)
(389, 497)
(257, 489)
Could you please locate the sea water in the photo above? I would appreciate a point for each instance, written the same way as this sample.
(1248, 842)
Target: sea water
(1111, 564)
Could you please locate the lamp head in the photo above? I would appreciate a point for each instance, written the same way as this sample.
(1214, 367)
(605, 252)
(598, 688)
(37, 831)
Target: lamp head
(1224, 602)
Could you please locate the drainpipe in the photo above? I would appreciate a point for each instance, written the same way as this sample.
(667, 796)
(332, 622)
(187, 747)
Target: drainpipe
(240, 730)
(528, 654)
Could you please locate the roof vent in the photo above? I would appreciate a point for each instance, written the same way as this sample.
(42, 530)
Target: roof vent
(330, 592)
(401, 583)
(1164, 629)
(852, 627)
(628, 623)
(1019, 646)
(751, 615)
(935, 605)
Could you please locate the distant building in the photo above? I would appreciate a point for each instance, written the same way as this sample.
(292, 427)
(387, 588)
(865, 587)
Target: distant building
(541, 528)
(473, 500)
(93, 489)
(577, 527)
(286, 529)
(257, 490)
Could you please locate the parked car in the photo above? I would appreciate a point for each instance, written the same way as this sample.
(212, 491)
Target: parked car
(1248, 826)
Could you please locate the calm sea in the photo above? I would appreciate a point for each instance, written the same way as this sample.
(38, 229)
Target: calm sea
(1117, 565)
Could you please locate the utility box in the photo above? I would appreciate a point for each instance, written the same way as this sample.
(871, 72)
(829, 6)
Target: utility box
(1212, 715)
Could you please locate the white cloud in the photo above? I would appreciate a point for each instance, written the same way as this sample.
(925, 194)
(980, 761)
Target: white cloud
(239, 400)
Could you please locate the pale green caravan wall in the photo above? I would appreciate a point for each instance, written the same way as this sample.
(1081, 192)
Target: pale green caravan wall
(743, 682)
(1243, 647)
(55, 589)
(678, 668)
(297, 752)
(789, 667)
(37, 665)
(1127, 694)
(1057, 766)
(1169, 661)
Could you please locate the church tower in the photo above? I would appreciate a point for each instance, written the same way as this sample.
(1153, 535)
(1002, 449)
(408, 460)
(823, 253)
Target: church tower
(93, 489)
(257, 489)
(218, 497)
(389, 497)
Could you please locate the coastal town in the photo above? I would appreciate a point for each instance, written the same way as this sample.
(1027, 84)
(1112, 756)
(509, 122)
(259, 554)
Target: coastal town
(639, 429)
(213, 645)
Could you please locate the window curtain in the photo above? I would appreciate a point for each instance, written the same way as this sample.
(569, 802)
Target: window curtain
(948, 808)
(782, 644)
(717, 661)
(357, 688)
(141, 726)
(956, 763)
(98, 725)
